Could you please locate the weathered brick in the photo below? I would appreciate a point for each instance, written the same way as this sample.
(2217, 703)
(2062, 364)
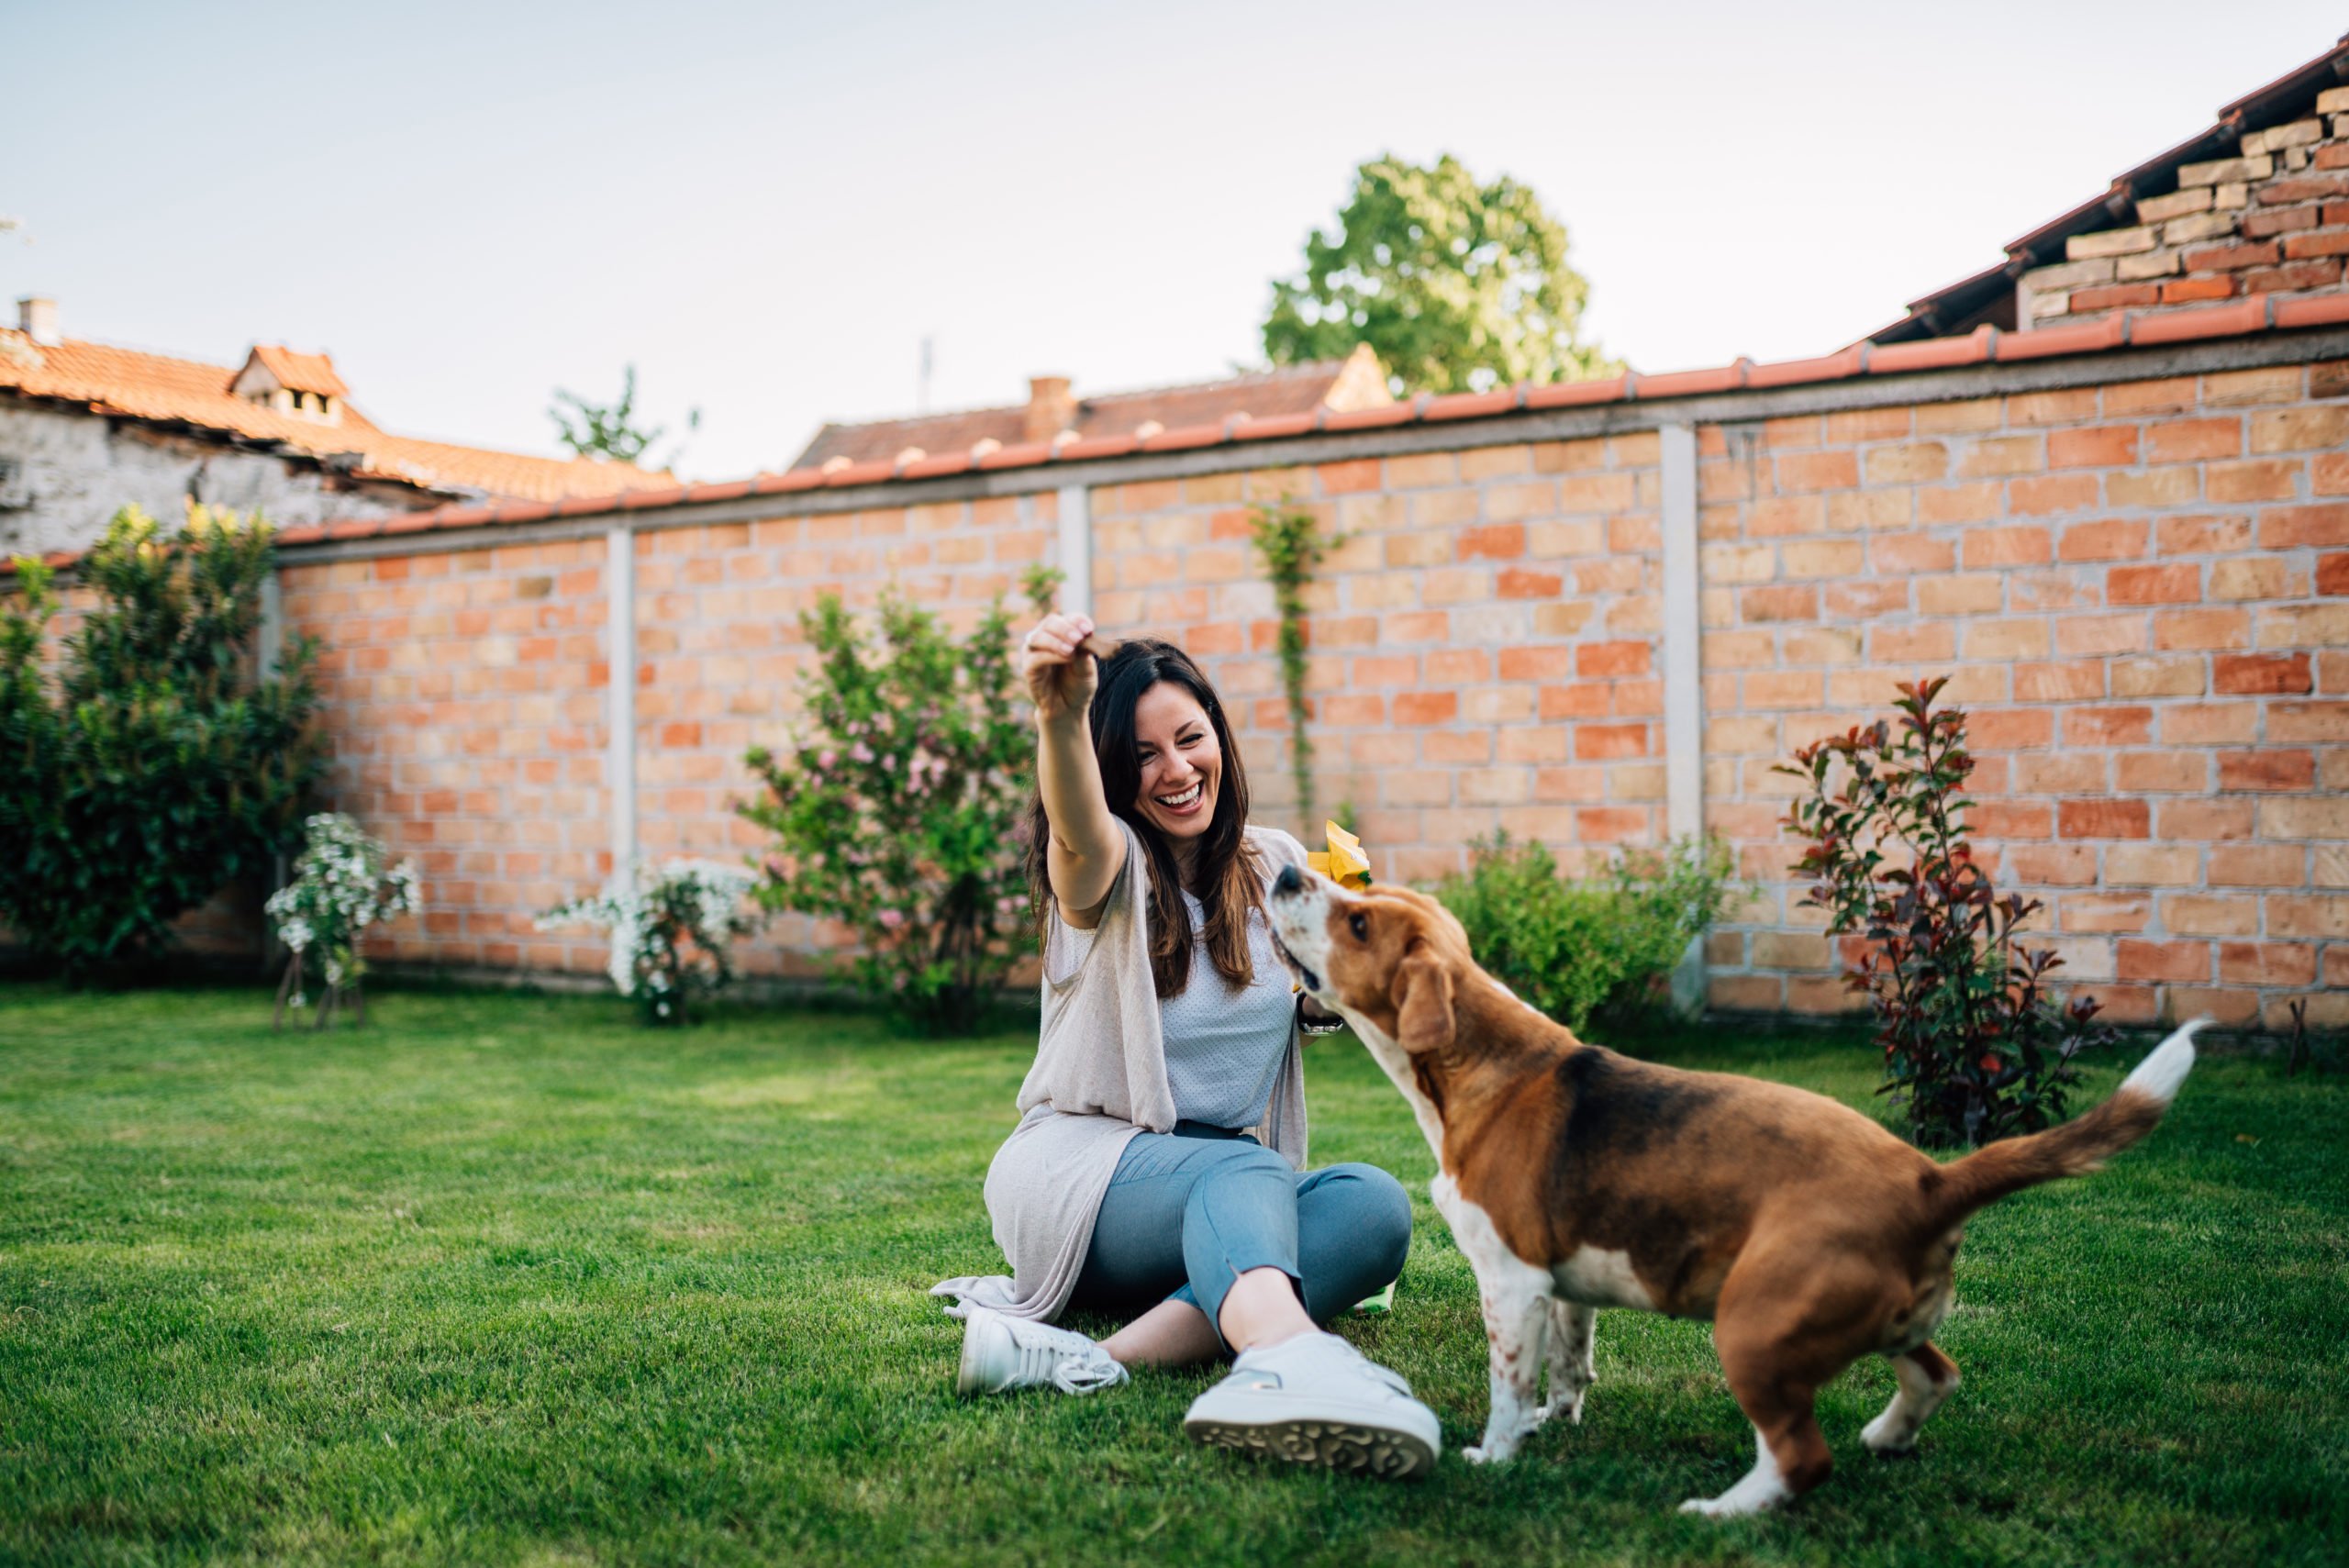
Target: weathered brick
(2267, 963)
(2258, 865)
(1495, 541)
(2052, 683)
(2193, 440)
(2314, 817)
(2160, 675)
(2118, 538)
(2261, 673)
(2096, 446)
(2183, 820)
(1996, 456)
(2151, 865)
(2108, 242)
(2163, 773)
(2233, 258)
(2317, 426)
(2054, 865)
(2209, 724)
(2267, 770)
(2178, 585)
(2107, 726)
(2267, 479)
(2319, 915)
(2200, 628)
(2047, 493)
(2289, 528)
(2210, 915)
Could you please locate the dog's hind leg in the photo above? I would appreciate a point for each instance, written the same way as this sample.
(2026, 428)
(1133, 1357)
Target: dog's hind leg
(1571, 1324)
(1927, 1377)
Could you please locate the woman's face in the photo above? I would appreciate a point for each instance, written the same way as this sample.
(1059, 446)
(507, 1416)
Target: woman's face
(1180, 764)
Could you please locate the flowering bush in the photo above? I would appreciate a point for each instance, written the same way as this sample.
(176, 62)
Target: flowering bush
(672, 929)
(898, 808)
(341, 888)
(1973, 1043)
(152, 765)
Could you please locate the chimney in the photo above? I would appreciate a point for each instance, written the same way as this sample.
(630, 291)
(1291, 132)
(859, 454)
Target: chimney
(37, 319)
(1051, 410)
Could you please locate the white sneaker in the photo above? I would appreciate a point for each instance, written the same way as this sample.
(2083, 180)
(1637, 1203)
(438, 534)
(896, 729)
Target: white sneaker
(1315, 1399)
(1002, 1353)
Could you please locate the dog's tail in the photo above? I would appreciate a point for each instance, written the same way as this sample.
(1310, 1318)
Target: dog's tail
(2076, 1148)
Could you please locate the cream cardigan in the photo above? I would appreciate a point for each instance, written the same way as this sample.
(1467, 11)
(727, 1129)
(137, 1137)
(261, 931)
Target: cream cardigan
(1099, 1079)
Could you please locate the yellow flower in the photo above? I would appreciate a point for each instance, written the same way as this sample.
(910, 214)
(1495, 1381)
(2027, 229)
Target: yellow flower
(1343, 862)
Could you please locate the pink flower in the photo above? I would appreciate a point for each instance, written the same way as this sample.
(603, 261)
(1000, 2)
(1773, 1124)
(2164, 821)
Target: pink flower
(827, 757)
(859, 752)
(891, 919)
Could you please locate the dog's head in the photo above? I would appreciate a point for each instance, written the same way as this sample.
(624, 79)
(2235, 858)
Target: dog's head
(1382, 956)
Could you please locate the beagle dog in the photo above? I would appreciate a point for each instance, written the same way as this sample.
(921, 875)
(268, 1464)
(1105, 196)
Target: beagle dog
(1574, 1178)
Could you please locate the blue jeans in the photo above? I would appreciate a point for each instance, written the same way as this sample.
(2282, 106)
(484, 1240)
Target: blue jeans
(1188, 1212)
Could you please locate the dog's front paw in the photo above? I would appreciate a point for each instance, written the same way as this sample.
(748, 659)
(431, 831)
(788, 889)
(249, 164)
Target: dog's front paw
(1492, 1450)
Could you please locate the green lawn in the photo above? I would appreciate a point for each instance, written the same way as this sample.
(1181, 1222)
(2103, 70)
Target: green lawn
(509, 1279)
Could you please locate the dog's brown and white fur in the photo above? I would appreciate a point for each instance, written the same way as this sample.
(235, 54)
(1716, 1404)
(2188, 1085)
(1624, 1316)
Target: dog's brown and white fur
(1574, 1178)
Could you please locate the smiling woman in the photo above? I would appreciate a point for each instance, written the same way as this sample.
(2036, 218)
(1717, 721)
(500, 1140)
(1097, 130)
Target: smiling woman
(1158, 1163)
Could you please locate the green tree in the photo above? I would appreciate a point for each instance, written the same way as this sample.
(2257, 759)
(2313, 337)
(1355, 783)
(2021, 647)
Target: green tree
(1457, 286)
(609, 430)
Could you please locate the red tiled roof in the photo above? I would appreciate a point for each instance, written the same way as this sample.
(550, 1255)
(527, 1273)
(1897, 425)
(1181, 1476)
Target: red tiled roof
(1355, 382)
(159, 389)
(1986, 345)
(301, 372)
(1970, 301)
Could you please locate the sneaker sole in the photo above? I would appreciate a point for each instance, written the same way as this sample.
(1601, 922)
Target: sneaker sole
(1351, 1446)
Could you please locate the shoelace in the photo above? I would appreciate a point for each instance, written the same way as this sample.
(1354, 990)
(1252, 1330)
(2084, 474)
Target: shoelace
(1069, 1361)
(1385, 1374)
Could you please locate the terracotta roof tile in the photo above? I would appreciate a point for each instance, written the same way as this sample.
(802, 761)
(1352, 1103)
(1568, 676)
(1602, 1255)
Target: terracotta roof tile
(1962, 305)
(160, 389)
(2105, 334)
(301, 372)
(1353, 383)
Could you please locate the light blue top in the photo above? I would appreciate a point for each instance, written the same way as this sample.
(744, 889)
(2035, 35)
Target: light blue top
(1225, 1043)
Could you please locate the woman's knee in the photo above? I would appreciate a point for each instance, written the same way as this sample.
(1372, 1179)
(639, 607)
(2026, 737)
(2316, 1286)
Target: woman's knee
(1378, 1213)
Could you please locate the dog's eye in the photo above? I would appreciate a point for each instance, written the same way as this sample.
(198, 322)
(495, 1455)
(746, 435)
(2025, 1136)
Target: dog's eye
(1359, 925)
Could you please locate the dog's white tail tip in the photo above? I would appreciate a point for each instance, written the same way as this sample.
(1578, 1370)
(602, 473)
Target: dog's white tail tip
(2158, 1076)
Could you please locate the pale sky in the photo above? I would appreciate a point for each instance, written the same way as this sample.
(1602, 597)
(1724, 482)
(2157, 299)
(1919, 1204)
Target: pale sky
(767, 207)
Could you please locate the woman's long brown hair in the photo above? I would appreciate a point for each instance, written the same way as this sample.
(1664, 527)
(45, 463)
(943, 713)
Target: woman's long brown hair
(1230, 882)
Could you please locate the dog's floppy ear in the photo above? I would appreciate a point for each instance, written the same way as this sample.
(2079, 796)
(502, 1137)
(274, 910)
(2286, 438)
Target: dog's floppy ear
(1422, 997)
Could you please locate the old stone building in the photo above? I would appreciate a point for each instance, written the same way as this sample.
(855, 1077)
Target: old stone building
(86, 428)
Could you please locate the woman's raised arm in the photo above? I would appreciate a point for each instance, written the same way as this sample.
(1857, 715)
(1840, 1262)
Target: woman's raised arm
(1085, 849)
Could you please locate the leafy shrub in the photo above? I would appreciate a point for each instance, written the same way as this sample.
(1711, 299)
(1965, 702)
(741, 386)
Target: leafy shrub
(673, 929)
(1973, 1045)
(157, 766)
(1600, 945)
(897, 808)
(342, 885)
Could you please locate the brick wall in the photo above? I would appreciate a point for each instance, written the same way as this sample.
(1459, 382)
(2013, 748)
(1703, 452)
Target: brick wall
(2141, 587)
(2137, 590)
(465, 703)
(2272, 219)
(720, 653)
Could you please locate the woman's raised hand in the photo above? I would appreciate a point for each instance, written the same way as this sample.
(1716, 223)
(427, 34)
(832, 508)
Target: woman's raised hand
(1061, 675)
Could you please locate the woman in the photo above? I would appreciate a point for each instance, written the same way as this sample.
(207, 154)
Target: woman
(1157, 1162)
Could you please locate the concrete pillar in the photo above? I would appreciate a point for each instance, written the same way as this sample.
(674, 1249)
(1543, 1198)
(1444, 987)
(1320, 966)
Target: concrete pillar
(1684, 692)
(619, 695)
(1076, 550)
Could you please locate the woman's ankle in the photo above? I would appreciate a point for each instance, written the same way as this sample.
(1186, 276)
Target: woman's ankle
(1261, 1308)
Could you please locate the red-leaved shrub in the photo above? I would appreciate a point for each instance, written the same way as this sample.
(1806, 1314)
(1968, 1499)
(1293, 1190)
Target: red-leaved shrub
(1974, 1044)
